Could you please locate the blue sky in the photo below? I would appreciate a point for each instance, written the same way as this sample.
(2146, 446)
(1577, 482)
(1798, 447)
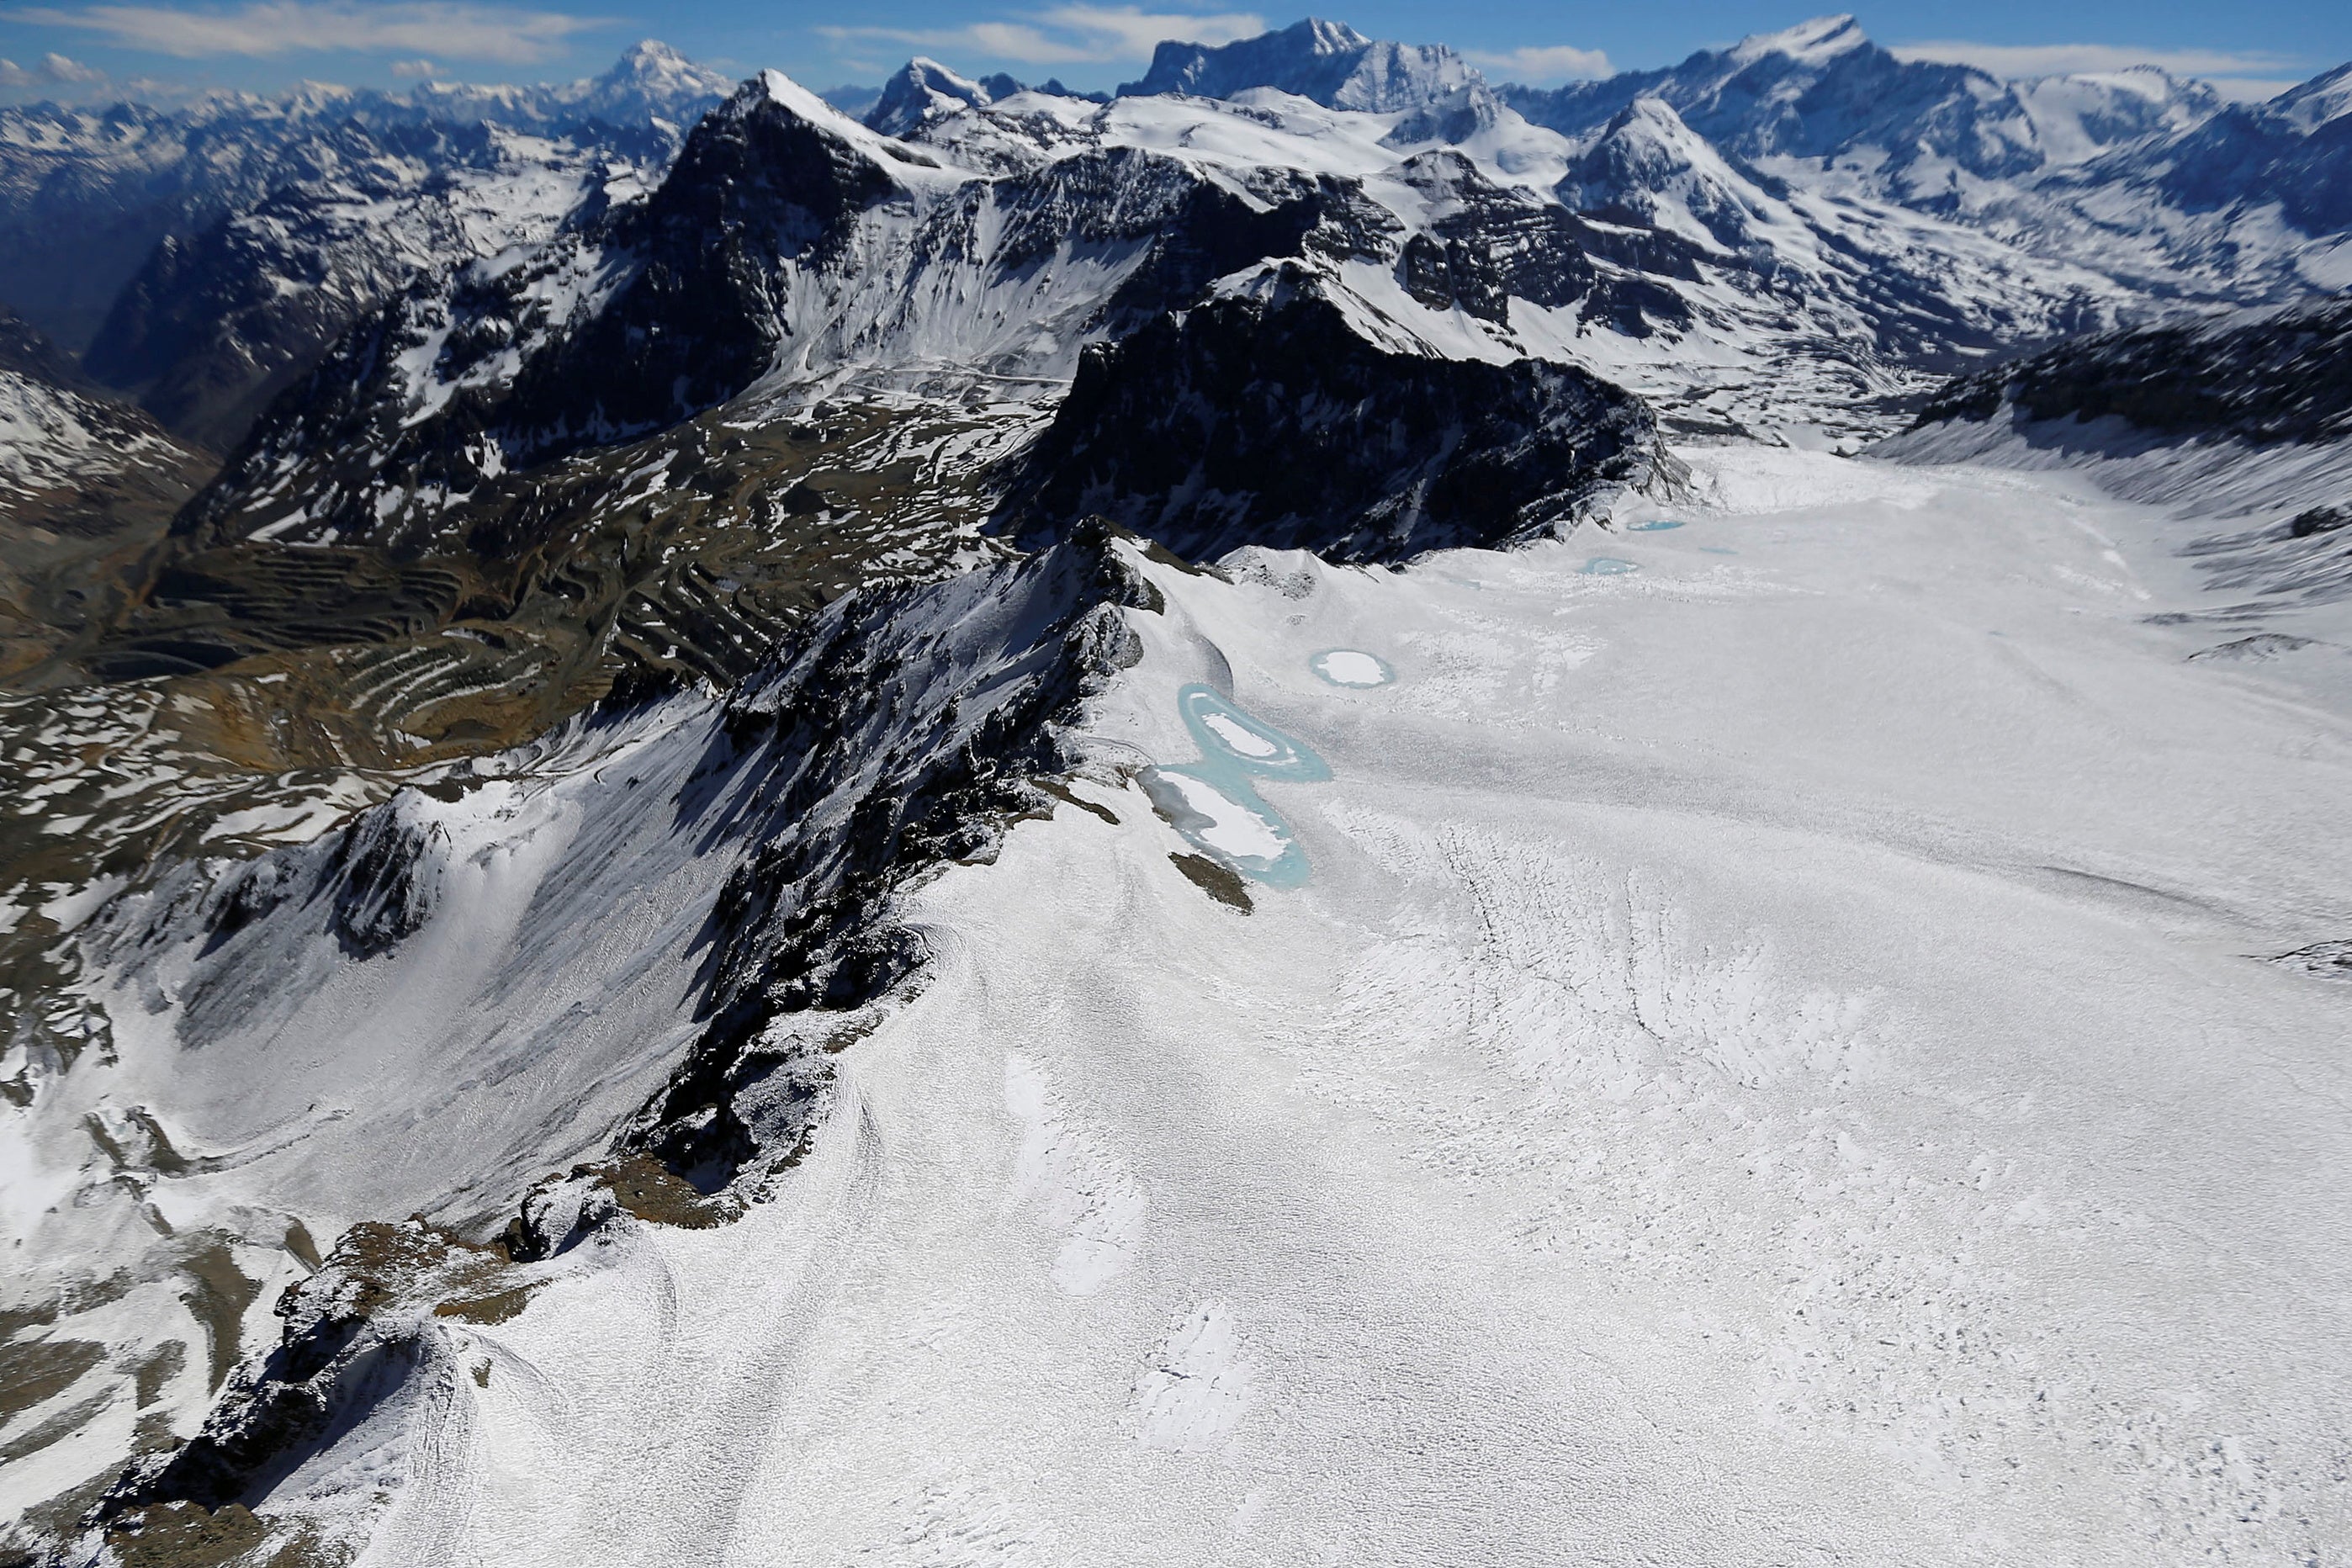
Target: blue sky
(101, 49)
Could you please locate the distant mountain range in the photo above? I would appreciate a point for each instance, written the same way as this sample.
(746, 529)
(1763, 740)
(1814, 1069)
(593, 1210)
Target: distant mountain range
(204, 257)
(86, 193)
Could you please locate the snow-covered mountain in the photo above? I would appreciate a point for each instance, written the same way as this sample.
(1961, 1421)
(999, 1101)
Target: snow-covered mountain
(2147, 178)
(211, 328)
(2256, 198)
(982, 252)
(979, 260)
(86, 194)
(1922, 130)
(1328, 62)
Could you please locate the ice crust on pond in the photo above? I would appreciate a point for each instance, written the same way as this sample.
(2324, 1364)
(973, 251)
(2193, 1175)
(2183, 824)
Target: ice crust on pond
(1244, 831)
(1351, 666)
(1239, 738)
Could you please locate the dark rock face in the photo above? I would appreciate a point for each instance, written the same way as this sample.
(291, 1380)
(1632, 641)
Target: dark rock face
(702, 319)
(1490, 245)
(27, 351)
(2280, 377)
(902, 731)
(694, 321)
(1273, 422)
(387, 872)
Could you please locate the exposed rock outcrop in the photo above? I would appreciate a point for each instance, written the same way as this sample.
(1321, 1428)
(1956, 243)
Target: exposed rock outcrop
(1270, 420)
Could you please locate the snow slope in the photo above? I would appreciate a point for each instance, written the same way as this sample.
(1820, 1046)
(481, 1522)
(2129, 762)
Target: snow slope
(1771, 1054)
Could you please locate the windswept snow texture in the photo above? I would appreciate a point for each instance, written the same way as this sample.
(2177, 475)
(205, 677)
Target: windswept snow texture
(1773, 1061)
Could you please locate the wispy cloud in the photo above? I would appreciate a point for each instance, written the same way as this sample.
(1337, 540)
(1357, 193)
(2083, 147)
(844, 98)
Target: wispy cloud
(54, 70)
(412, 70)
(1065, 35)
(2014, 60)
(1538, 63)
(271, 28)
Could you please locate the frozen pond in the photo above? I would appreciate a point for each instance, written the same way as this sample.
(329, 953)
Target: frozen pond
(1213, 802)
(1351, 667)
(1607, 566)
(1656, 525)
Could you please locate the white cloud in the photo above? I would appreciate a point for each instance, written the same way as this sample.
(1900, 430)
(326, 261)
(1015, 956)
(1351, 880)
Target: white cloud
(1138, 33)
(268, 28)
(414, 68)
(54, 70)
(2014, 61)
(1065, 35)
(1538, 63)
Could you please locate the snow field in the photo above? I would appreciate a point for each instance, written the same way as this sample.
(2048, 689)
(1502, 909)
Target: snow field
(1765, 1066)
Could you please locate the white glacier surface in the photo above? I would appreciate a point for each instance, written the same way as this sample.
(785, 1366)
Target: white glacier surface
(1772, 1061)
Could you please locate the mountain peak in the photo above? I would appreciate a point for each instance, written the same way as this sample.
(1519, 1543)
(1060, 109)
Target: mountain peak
(1649, 164)
(1649, 115)
(1822, 39)
(1324, 37)
(2324, 98)
(650, 64)
(647, 56)
(923, 91)
(1328, 62)
(651, 78)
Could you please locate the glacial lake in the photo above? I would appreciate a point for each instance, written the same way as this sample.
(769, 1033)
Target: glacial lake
(1215, 803)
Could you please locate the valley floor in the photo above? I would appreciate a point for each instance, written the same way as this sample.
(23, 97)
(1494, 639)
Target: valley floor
(1772, 1060)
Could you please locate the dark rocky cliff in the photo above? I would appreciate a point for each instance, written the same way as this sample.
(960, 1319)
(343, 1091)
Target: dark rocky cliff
(1273, 422)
